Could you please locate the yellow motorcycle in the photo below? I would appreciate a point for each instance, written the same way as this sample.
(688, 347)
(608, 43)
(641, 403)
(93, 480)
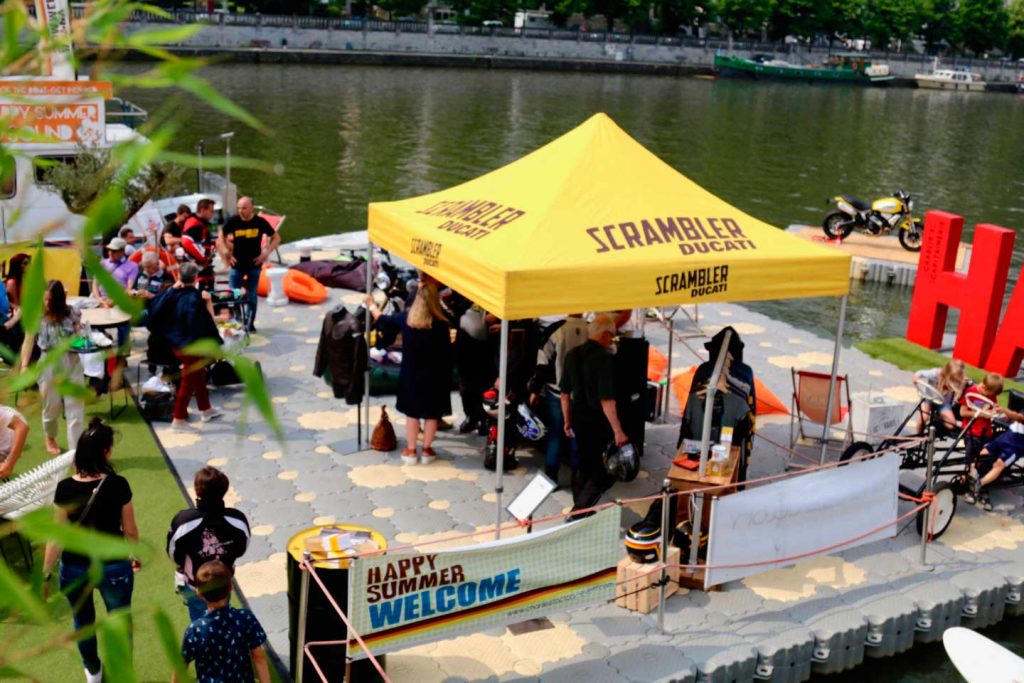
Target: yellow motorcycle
(880, 217)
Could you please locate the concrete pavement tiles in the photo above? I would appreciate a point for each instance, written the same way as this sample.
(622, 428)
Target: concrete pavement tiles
(783, 619)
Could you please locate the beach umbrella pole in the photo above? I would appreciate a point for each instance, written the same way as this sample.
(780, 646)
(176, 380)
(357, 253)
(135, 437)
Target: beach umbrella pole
(499, 470)
(832, 379)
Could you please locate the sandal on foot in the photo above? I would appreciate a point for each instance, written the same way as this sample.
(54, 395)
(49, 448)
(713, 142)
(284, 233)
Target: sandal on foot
(408, 456)
(429, 455)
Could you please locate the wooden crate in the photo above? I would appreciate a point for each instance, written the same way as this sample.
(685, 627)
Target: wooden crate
(640, 593)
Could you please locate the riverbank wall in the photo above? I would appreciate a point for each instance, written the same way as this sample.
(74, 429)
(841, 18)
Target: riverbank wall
(541, 50)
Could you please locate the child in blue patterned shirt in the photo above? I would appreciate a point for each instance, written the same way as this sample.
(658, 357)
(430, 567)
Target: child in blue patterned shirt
(226, 643)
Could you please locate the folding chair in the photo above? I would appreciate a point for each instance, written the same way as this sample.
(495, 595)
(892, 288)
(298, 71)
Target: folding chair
(810, 399)
(276, 221)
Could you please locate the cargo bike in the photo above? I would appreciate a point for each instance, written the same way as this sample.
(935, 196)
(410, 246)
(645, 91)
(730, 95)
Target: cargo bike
(951, 474)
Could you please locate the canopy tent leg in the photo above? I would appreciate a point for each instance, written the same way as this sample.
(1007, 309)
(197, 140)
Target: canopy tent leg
(499, 470)
(832, 379)
(369, 323)
(705, 441)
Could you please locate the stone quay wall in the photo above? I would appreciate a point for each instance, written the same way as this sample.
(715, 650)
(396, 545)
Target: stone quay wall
(413, 44)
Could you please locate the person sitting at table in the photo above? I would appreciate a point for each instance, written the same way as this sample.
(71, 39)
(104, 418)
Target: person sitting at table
(126, 272)
(59, 322)
(166, 259)
(153, 279)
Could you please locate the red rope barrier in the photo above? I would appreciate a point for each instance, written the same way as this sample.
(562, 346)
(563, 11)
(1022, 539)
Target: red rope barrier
(307, 566)
(626, 501)
(781, 560)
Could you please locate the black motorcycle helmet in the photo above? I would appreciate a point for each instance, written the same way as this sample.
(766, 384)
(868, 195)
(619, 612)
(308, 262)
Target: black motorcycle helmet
(621, 462)
(643, 542)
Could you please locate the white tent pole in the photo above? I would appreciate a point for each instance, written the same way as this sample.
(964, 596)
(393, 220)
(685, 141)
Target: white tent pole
(369, 324)
(832, 379)
(499, 470)
(705, 440)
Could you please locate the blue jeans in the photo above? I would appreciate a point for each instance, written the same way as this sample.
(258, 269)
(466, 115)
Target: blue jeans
(557, 440)
(196, 605)
(250, 279)
(115, 588)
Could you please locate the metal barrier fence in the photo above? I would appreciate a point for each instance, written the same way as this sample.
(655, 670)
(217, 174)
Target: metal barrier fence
(661, 567)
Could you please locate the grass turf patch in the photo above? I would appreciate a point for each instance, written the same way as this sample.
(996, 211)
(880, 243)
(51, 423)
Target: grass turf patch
(909, 356)
(157, 497)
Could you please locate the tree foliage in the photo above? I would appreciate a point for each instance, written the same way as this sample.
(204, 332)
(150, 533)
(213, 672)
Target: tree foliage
(93, 170)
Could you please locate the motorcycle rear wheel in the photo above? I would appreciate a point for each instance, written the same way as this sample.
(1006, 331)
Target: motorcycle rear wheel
(910, 238)
(837, 225)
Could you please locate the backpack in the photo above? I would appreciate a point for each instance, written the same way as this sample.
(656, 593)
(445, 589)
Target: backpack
(157, 406)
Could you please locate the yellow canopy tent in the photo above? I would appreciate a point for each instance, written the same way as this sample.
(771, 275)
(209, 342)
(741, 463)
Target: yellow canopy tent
(593, 221)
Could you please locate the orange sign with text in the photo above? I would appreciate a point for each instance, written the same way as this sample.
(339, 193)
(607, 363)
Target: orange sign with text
(46, 89)
(81, 122)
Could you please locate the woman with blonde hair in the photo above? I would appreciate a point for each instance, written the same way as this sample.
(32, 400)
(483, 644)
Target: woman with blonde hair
(425, 377)
(950, 381)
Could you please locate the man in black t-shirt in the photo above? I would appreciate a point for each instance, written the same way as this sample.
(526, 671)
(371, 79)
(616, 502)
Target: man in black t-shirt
(588, 407)
(241, 245)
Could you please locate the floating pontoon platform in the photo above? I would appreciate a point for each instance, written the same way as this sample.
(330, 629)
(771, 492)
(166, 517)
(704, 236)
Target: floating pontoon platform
(877, 259)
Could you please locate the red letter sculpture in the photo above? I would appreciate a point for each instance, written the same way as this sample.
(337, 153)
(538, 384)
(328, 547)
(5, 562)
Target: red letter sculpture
(978, 294)
(1008, 350)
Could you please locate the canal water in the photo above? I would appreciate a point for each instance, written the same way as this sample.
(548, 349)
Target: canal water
(347, 136)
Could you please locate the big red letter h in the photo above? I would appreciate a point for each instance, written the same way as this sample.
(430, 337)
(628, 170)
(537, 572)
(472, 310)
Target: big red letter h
(978, 295)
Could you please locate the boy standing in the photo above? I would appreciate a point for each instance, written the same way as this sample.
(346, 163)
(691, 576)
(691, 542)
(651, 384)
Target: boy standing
(210, 531)
(226, 643)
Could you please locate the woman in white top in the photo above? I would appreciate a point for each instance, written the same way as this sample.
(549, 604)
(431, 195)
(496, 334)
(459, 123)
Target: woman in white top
(59, 322)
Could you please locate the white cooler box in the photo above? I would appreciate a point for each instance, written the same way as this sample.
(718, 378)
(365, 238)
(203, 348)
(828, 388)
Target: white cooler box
(876, 415)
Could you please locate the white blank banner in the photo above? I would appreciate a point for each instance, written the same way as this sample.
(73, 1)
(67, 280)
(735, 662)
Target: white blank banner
(801, 515)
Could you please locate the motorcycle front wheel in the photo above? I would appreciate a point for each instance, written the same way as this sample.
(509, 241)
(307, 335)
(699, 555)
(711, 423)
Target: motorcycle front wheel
(837, 225)
(910, 238)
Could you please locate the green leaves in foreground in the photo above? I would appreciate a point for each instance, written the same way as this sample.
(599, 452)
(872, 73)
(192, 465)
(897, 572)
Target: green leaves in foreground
(40, 526)
(116, 647)
(33, 289)
(170, 642)
(14, 594)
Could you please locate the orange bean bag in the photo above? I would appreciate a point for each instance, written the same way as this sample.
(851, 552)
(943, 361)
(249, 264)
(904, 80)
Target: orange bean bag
(298, 287)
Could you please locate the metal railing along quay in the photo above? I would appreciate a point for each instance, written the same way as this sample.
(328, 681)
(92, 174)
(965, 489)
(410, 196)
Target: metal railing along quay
(794, 51)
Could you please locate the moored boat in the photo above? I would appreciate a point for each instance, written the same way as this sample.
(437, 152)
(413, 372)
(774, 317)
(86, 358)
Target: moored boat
(841, 68)
(950, 79)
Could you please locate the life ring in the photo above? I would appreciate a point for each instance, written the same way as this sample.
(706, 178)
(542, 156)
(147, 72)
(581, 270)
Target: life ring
(298, 287)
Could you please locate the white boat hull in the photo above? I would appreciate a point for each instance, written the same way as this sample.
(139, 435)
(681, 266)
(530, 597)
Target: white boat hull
(942, 84)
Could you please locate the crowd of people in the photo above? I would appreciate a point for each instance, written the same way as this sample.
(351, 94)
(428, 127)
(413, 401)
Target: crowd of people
(562, 370)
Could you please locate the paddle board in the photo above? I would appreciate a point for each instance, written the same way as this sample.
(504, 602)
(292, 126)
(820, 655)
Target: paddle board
(981, 660)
